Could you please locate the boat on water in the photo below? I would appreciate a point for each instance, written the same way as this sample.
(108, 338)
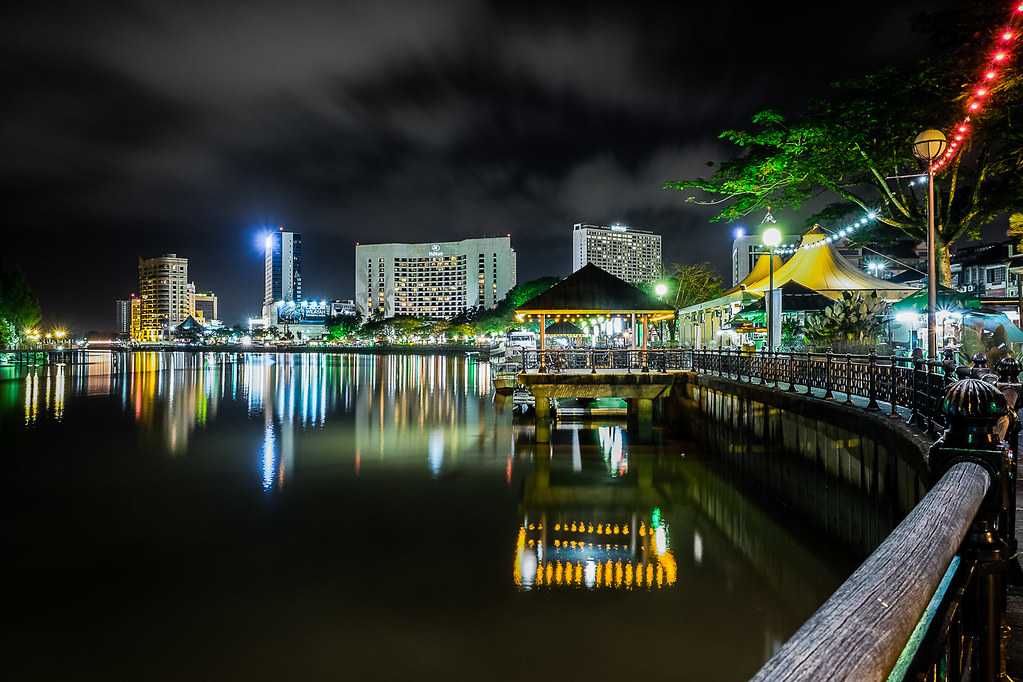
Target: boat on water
(569, 408)
(523, 402)
(506, 377)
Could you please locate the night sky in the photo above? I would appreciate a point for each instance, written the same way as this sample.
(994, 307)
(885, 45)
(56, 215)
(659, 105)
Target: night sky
(139, 128)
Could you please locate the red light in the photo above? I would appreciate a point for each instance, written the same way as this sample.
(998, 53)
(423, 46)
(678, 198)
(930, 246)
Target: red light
(981, 92)
(974, 106)
(1007, 36)
(990, 75)
(959, 138)
(999, 56)
(962, 129)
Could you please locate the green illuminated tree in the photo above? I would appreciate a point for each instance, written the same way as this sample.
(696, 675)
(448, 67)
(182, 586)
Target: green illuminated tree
(343, 326)
(843, 147)
(18, 303)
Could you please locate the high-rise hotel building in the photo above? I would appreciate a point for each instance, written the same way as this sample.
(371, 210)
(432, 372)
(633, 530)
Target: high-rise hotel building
(282, 272)
(632, 255)
(165, 299)
(436, 280)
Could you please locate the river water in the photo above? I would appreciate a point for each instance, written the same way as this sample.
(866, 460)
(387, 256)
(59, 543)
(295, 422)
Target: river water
(366, 517)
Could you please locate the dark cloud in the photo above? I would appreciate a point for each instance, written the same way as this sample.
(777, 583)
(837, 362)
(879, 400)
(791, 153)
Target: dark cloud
(135, 128)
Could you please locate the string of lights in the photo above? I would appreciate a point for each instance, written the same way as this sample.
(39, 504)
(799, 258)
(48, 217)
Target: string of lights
(999, 57)
(841, 233)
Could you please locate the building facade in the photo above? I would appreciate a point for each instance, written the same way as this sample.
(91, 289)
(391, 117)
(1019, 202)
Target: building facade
(990, 269)
(282, 270)
(122, 317)
(204, 307)
(434, 280)
(632, 255)
(165, 301)
(343, 308)
(135, 331)
(746, 248)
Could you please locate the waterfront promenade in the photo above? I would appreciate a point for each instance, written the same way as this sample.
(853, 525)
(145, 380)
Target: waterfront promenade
(935, 593)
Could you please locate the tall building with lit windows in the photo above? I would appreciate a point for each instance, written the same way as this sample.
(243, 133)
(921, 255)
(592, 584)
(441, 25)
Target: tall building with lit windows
(436, 280)
(632, 255)
(164, 294)
(122, 317)
(282, 269)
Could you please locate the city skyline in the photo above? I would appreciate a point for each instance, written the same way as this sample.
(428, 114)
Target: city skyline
(524, 124)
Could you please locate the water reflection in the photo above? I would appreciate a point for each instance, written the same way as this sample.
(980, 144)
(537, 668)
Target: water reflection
(351, 470)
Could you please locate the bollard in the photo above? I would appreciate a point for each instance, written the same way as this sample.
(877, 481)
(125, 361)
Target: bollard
(979, 365)
(848, 378)
(972, 409)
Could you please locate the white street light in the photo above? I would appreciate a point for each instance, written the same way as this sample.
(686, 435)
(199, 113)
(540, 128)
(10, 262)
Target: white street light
(929, 145)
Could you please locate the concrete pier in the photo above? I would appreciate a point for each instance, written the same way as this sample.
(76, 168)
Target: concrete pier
(641, 390)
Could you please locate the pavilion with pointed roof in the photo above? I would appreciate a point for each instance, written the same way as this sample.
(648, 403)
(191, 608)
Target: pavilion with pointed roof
(817, 266)
(593, 292)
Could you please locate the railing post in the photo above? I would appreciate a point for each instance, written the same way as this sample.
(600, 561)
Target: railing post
(792, 372)
(872, 382)
(893, 388)
(914, 417)
(848, 378)
(828, 395)
(593, 365)
(972, 410)
(929, 398)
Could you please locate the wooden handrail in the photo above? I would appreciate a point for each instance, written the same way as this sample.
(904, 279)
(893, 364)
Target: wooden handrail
(860, 631)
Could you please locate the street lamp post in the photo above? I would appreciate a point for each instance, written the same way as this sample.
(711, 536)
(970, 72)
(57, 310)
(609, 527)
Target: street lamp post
(928, 146)
(661, 289)
(770, 238)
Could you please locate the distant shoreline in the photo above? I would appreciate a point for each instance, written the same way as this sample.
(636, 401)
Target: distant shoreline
(435, 349)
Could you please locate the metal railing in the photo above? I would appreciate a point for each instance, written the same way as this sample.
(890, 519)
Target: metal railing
(929, 602)
(880, 382)
(602, 359)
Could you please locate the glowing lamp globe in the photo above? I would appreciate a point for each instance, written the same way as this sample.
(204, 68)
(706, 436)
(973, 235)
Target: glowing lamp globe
(661, 289)
(929, 145)
(771, 237)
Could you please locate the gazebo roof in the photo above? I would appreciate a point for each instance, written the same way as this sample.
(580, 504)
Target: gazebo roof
(761, 269)
(188, 325)
(564, 329)
(794, 298)
(819, 266)
(592, 291)
(946, 298)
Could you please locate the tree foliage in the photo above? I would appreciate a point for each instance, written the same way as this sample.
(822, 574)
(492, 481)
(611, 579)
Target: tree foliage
(502, 317)
(18, 303)
(343, 326)
(691, 284)
(843, 146)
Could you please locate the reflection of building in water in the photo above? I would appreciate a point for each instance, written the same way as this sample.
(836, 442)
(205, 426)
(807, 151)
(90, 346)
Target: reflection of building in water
(594, 550)
(429, 407)
(587, 530)
(277, 453)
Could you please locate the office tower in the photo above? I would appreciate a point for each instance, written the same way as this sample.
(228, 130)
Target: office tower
(632, 255)
(437, 280)
(163, 288)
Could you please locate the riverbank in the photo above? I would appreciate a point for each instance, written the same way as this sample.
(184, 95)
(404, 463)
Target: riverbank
(388, 349)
